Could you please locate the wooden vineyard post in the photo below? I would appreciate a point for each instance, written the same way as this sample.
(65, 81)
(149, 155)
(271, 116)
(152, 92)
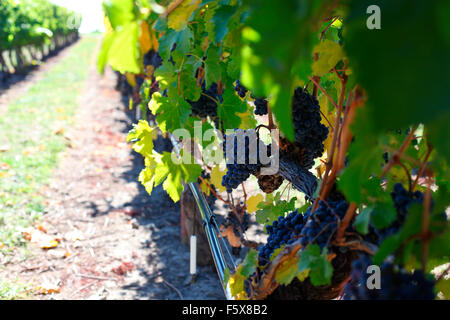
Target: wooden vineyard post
(191, 223)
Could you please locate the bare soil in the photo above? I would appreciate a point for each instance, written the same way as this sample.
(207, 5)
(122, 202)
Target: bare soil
(114, 240)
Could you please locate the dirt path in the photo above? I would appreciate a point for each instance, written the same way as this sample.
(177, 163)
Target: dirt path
(114, 241)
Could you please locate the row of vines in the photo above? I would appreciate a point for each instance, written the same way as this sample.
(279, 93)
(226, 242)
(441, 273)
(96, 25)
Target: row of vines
(358, 95)
(31, 29)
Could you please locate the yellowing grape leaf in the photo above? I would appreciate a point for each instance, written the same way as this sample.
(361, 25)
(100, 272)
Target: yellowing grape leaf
(248, 121)
(287, 271)
(143, 135)
(205, 188)
(145, 38)
(236, 283)
(253, 201)
(443, 286)
(131, 79)
(330, 53)
(216, 178)
(147, 175)
(181, 15)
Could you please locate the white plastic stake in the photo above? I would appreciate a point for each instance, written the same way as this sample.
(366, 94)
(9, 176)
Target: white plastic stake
(193, 255)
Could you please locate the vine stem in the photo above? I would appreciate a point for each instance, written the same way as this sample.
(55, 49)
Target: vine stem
(316, 78)
(422, 168)
(267, 284)
(208, 96)
(329, 163)
(443, 273)
(401, 164)
(395, 158)
(324, 92)
(426, 223)
(245, 199)
(325, 117)
(270, 117)
(179, 77)
(327, 27)
(219, 197)
(346, 221)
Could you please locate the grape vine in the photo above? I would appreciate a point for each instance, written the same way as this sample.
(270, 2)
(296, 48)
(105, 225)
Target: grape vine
(349, 188)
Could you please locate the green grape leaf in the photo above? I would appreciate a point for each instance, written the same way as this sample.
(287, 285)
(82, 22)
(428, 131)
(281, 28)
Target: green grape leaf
(221, 17)
(197, 128)
(250, 262)
(320, 269)
(122, 52)
(212, 66)
(182, 39)
(174, 174)
(171, 112)
(380, 58)
(354, 179)
(230, 107)
(188, 84)
(383, 214)
(362, 220)
(282, 110)
(165, 75)
(102, 59)
(119, 12)
(269, 211)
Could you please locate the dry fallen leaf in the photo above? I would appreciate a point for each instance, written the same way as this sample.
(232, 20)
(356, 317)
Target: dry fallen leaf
(4, 166)
(74, 235)
(48, 244)
(48, 288)
(40, 227)
(39, 238)
(58, 130)
(228, 232)
(124, 268)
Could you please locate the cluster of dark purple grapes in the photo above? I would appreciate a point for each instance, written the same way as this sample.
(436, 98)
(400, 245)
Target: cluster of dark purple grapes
(261, 104)
(244, 223)
(402, 201)
(310, 133)
(395, 283)
(317, 227)
(283, 231)
(206, 105)
(240, 89)
(322, 223)
(152, 58)
(244, 161)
